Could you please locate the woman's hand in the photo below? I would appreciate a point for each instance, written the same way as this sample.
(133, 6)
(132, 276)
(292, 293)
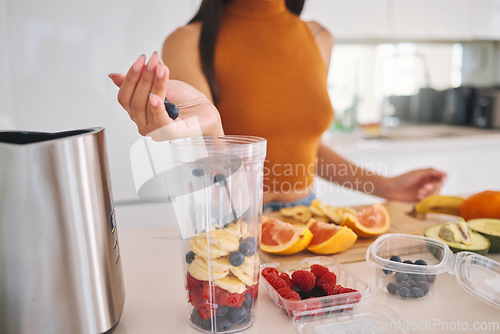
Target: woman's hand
(142, 93)
(415, 185)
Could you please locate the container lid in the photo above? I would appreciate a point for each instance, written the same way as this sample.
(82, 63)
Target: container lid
(370, 317)
(479, 275)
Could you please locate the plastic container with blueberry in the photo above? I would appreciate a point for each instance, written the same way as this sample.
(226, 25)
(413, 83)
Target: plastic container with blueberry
(407, 266)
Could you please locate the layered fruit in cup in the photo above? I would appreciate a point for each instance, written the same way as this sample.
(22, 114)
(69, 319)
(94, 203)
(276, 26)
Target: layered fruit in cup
(222, 277)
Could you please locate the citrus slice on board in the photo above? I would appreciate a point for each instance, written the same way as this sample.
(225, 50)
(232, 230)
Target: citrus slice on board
(369, 222)
(330, 238)
(283, 238)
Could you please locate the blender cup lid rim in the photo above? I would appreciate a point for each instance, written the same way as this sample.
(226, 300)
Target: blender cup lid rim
(34, 137)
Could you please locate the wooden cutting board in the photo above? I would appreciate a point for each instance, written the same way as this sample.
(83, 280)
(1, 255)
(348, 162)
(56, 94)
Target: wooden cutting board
(401, 222)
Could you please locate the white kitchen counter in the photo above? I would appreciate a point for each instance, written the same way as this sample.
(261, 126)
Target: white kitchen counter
(156, 302)
(150, 244)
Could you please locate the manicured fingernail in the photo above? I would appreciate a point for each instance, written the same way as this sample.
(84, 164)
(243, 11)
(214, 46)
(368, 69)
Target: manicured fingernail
(153, 61)
(160, 72)
(110, 75)
(139, 63)
(153, 99)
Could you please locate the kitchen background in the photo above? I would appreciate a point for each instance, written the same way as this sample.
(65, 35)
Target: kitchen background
(396, 63)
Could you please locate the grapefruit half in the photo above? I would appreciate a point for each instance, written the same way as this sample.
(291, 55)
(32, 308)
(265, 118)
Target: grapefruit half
(283, 238)
(329, 238)
(369, 222)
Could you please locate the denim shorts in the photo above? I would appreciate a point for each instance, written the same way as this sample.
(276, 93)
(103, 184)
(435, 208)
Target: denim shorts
(276, 206)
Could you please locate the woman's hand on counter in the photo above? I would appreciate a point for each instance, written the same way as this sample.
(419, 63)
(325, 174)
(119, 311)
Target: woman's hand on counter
(414, 185)
(142, 93)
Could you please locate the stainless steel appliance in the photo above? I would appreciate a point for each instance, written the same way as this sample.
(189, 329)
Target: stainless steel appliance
(60, 268)
(487, 109)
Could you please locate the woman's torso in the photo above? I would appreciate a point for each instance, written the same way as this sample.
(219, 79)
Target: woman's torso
(272, 83)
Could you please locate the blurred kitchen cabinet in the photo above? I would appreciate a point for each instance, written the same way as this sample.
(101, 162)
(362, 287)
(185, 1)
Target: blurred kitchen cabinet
(486, 19)
(432, 20)
(355, 19)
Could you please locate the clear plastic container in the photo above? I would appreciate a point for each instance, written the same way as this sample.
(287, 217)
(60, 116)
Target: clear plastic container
(476, 273)
(392, 276)
(328, 305)
(218, 205)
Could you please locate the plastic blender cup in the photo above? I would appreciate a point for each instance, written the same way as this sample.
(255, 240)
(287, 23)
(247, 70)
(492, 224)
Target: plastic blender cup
(219, 210)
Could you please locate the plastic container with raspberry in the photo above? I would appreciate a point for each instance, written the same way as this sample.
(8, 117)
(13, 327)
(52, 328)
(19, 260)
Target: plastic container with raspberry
(320, 286)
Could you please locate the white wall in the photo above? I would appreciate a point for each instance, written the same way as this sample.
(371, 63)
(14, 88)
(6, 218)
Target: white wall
(6, 100)
(55, 57)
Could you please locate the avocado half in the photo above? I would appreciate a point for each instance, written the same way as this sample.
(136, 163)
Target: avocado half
(480, 244)
(490, 228)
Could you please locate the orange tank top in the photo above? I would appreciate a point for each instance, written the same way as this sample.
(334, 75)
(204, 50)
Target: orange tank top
(272, 84)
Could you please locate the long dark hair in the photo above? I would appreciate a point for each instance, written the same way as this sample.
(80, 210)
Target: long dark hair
(209, 14)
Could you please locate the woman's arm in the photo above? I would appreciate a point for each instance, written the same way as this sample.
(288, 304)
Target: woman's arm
(181, 55)
(409, 187)
(324, 40)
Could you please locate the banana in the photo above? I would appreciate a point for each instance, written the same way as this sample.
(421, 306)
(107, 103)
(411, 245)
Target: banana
(223, 240)
(315, 203)
(287, 212)
(234, 229)
(244, 277)
(321, 219)
(299, 212)
(244, 229)
(238, 229)
(248, 266)
(231, 284)
(316, 212)
(303, 216)
(438, 204)
(198, 269)
(220, 243)
(348, 210)
(331, 212)
(200, 248)
(219, 264)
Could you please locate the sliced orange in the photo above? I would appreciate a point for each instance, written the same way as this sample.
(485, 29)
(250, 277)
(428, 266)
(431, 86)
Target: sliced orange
(283, 238)
(369, 222)
(329, 238)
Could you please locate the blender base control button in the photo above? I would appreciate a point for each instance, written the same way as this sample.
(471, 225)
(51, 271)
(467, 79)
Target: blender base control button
(112, 222)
